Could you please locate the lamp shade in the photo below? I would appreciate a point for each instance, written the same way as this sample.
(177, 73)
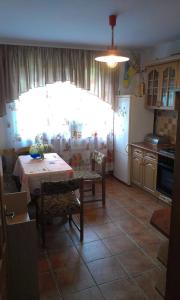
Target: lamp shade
(112, 56)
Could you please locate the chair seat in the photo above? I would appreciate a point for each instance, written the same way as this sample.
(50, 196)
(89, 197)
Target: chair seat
(87, 175)
(60, 204)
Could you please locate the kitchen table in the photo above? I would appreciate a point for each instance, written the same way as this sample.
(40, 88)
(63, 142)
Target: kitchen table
(32, 172)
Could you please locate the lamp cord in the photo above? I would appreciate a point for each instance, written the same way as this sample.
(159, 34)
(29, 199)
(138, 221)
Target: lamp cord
(112, 41)
(112, 23)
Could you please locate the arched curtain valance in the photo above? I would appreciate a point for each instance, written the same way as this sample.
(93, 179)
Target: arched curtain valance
(26, 67)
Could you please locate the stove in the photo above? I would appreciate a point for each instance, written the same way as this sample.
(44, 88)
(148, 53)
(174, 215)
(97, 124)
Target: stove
(165, 171)
(169, 152)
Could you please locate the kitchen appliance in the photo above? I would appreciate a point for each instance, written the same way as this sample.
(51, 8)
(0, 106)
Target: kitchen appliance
(156, 139)
(165, 171)
(168, 152)
(132, 122)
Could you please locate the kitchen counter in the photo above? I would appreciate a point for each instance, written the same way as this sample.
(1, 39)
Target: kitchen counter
(152, 148)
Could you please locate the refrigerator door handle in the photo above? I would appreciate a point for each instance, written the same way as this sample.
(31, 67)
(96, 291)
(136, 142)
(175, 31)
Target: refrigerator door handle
(127, 149)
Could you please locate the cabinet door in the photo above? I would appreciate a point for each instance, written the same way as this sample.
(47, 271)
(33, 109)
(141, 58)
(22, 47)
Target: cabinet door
(149, 174)
(136, 171)
(153, 87)
(168, 85)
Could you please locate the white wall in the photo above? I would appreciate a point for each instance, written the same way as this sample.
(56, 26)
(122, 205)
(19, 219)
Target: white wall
(132, 89)
(133, 84)
(161, 51)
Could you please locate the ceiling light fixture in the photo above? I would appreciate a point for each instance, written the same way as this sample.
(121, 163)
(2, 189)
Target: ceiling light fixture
(112, 56)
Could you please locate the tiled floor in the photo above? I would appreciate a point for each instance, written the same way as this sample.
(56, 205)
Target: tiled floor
(117, 259)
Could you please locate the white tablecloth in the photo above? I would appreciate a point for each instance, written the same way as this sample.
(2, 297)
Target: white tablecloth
(34, 171)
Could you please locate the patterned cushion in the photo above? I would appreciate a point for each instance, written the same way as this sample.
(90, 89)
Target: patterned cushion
(87, 175)
(60, 204)
(98, 157)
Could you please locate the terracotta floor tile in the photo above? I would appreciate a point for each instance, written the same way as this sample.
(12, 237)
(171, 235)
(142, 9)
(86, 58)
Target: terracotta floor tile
(89, 235)
(131, 225)
(60, 241)
(89, 294)
(125, 218)
(123, 289)
(97, 216)
(145, 237)
(117, 212)
(105, 230)
(106, 269)
(65, 258)
(94, 250)
(141, 213)
(56, 227)
(147, 282)
(113, 202)
(47, 287)
(71, 280)
(135, 262)
(119, 244)
(128, 200)
(108, 253)
(43, 265)
(152, 249)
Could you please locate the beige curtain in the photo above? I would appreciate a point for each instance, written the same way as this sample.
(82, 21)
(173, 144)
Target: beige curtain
(26, 67)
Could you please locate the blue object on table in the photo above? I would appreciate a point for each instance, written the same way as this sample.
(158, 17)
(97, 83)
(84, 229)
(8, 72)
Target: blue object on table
(35, 155)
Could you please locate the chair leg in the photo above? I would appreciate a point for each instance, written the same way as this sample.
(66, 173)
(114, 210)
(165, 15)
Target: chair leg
(70, 219)
(81, 226)
(37, 214)
(43, 232)
(103, 192)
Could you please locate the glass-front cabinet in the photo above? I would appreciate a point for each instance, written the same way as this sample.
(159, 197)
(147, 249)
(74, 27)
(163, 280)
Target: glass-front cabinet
(161, 85)
(168, 86)
(152, 90)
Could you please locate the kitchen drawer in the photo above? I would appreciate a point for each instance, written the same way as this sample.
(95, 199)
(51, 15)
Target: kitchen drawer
(150, 155)
(137, 152)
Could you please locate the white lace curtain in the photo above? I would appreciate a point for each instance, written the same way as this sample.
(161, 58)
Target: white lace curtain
(73, 120)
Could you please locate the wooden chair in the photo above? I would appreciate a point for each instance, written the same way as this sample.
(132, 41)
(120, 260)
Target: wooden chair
(17, 152)
(96, 175)
(59, 199)
(22, 151)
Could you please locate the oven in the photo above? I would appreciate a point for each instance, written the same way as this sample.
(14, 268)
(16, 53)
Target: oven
(165, 172)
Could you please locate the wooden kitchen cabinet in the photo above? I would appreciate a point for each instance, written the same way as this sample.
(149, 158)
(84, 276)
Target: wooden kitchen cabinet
(168, 83)
(153, 78)
(144, 169)
(137, 163)
(162, 80)
(149, 173)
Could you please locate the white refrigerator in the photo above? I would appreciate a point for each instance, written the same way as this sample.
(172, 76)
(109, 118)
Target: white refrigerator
(132, 121)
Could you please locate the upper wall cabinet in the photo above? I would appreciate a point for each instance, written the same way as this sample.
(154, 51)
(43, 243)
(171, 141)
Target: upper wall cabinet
(162, 80)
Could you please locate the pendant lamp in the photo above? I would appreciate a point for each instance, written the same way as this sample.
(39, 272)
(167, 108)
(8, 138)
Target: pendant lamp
(112, 56)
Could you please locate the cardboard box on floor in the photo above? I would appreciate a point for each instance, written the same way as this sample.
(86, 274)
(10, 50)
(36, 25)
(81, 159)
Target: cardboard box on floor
(22, 259)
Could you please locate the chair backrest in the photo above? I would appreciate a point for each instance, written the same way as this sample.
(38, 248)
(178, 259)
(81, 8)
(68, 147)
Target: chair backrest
(22, 151)
(62, 187)
(98, 162)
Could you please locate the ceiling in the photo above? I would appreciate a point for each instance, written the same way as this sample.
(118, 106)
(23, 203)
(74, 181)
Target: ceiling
(84, 24)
